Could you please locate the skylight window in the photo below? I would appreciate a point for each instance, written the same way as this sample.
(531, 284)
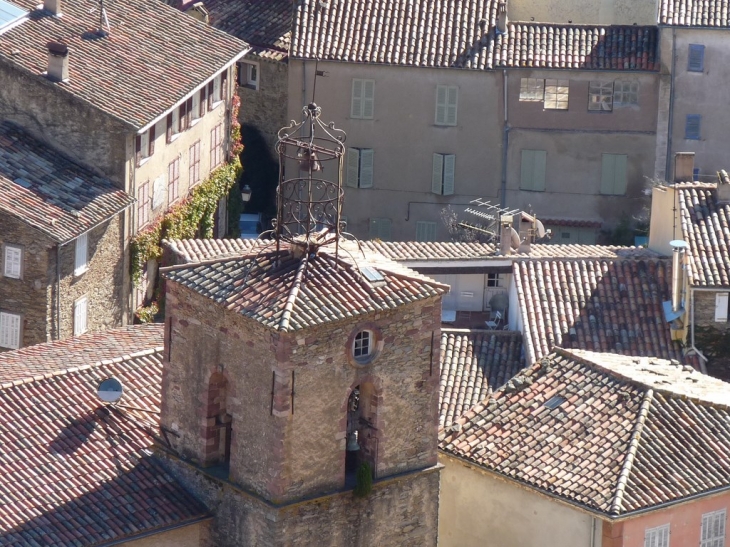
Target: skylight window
(10, 15)
(371, 274)
(555, 402)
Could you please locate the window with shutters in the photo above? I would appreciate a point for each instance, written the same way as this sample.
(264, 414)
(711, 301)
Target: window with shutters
(600, 96)
(81, 262)
(425, 231)
(13, 261)
(248, 75)
(195, 112)
(532, 170)
(173, 180)
(173, 124)
(721, 304)
(696, 58)
(613, 174)
(216, 146)
(657, 537)
(692, 127)
(556, 94)
(217, 86)
(713, 529)
(442, 178)
(359, 168)
(363, 99)
(143, 204)
(80, 316)
(532, 89)
(625, 93)
(380, 228)
(447, 99)
(145, 145)
(10, 330)
(194, 164)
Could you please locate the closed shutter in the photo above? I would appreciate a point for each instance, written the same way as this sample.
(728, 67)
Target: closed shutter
(353, 167)
(216, 89)
(196, 106)
(437, 174)
(380, 228)
(449, 167)
(9, 330)
(619, 176)
(368, 100)
(613, 174)
(80, 316)
(696, 60)
(175, 121)
(441, 100)
(153, 135)
(357, 97)
(452, 99)
(203, 101)
(425, 231)
(721, 302)
(692, 126)
(366, 168)
(169, 127)
(532, 170)
(82, 254)
(13, 262)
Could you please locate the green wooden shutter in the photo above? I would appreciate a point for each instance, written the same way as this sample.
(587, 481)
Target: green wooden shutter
(353, 167)
(441, 100)
(452, 99)
(366, 168)
(449, 167)
(540, 158)
(425, 231)
(437, 174)
(608, 173)
(619, 176)
(357, 96)
(368, 99)
(380, 228)
(527, 170)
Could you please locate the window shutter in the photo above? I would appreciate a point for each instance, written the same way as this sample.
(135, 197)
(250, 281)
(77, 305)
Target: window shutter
(437, 174)
(203, 101)
(527, 170)
(210, 95)
(692, 127)
(425, 231)
(721, 302)
(619, 177)
(82, 254)
(152, 139)
(368, 100)
(80, 316)
(169, 127)
(175, 121)
(608, 173)
(449, 166)
(366, 168)
(224, 81)
(196, 106)
(158, 192)
(696, 58)
(441, 99)
(188, 112)
(216, 89)
(357, 99)
(452, 96)
(241, 73)
(353, 167)
(380, 228)
(13, 262)
(540, 158)
(9, 330)
(138, 148)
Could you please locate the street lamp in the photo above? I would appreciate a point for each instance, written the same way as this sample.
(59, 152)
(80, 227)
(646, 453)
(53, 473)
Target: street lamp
(246, 194)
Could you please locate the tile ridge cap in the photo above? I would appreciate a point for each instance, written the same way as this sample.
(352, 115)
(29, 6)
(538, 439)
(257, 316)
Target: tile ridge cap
(293, 294)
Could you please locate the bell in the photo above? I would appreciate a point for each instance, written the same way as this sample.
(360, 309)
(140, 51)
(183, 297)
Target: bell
(308, 160)
(352, 445)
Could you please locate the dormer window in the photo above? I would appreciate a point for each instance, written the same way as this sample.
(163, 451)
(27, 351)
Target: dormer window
(363, 346)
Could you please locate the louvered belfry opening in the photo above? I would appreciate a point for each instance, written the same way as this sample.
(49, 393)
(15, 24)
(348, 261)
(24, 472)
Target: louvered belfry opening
(310, 193)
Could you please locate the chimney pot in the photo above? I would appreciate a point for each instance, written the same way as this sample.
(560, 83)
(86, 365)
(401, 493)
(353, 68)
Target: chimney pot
(502, 17)
(684, 165)
(57, 61)
(52, 6)
(723, 187)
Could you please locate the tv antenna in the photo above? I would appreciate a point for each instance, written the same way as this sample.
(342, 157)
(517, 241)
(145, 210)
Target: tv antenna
(103, 20)
(488, 217)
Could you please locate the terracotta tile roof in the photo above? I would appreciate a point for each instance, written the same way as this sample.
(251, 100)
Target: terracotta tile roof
(87, 349)
(287, 293)
(601, 305)
(74, 472)
(152, 59)
(50, 192)
(425, 33)
(571, 222)
(198, 250)
(706, 228)
(626, 433)
(473, 364)
(265, 25)
(694, 13)
(587, 47)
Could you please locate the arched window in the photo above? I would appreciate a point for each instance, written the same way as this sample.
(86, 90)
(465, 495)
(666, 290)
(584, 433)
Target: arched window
(218, 422)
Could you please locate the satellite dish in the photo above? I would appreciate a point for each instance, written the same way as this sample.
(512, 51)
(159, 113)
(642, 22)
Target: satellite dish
(679, 244)
(540, 229)
(514, 238)
(110, 390)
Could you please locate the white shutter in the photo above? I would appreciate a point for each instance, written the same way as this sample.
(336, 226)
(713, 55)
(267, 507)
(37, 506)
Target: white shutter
(217, 89)
(158, 192)
(80, 316)
(452, 99)
(13, 261)
(357, 93)
(437, 174)
(449, 166)
(368, 99)
(196, 106)
(441, 100)
(81, 262)
(366, 168)
(721, 301)
(353, 167)
(9, 330)
(144, 145)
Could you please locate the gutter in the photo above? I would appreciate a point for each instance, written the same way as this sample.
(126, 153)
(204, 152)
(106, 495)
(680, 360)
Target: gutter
(127, 539)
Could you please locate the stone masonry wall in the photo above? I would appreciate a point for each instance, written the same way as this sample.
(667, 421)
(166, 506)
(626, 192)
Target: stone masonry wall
(265, 107)
(401, 511)
(28, 296)
(292, 444)
(705, 311)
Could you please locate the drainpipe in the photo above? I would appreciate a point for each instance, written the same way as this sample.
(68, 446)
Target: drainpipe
(593, 531)
(505, 142)
(670, 124)
(703, 359)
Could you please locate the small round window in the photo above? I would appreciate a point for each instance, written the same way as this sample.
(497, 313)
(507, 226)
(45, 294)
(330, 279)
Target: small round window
(362, 346)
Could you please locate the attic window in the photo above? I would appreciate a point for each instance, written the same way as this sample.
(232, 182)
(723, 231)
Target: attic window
(10, 15)
(371, 274)
(555, 402)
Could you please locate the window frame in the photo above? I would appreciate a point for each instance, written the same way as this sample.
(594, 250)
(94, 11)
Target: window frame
(363, 342)
(688, 121)
(532, 90)
(600, 95)
(21, 261)
(714, 541)
(143, 204)
(446, 109)
(78, 331)
(217, 95)
(81, 263)
(18, 335)
(653, 536)
(194, 164)
(721, 310)
(365, 109)
(556, 94)
(439, 178)
(619, 93)
(698, 51)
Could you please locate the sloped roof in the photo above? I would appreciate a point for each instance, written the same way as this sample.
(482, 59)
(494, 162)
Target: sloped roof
(587, 47)
(153, 57)
(631, 433)
(74, 472)
(694, 13)
(287, 293)
(48, 191)
(600, 305)
(706, 228)
(473, 364)
(199, 250)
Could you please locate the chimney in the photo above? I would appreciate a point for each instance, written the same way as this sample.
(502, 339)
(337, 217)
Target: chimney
(502, 17)
(505, 236)
(678, 249)
(684, 165)
(53, 7)
(57, 61)
(723, 187)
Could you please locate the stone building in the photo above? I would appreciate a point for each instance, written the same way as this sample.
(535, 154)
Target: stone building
(62, 244)
(142, 97)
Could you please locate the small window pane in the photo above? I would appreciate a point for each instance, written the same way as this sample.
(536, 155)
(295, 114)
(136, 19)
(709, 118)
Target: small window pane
(625, 93)
(362, 345)
(556, 94)
(600, 96)
(532, 89)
